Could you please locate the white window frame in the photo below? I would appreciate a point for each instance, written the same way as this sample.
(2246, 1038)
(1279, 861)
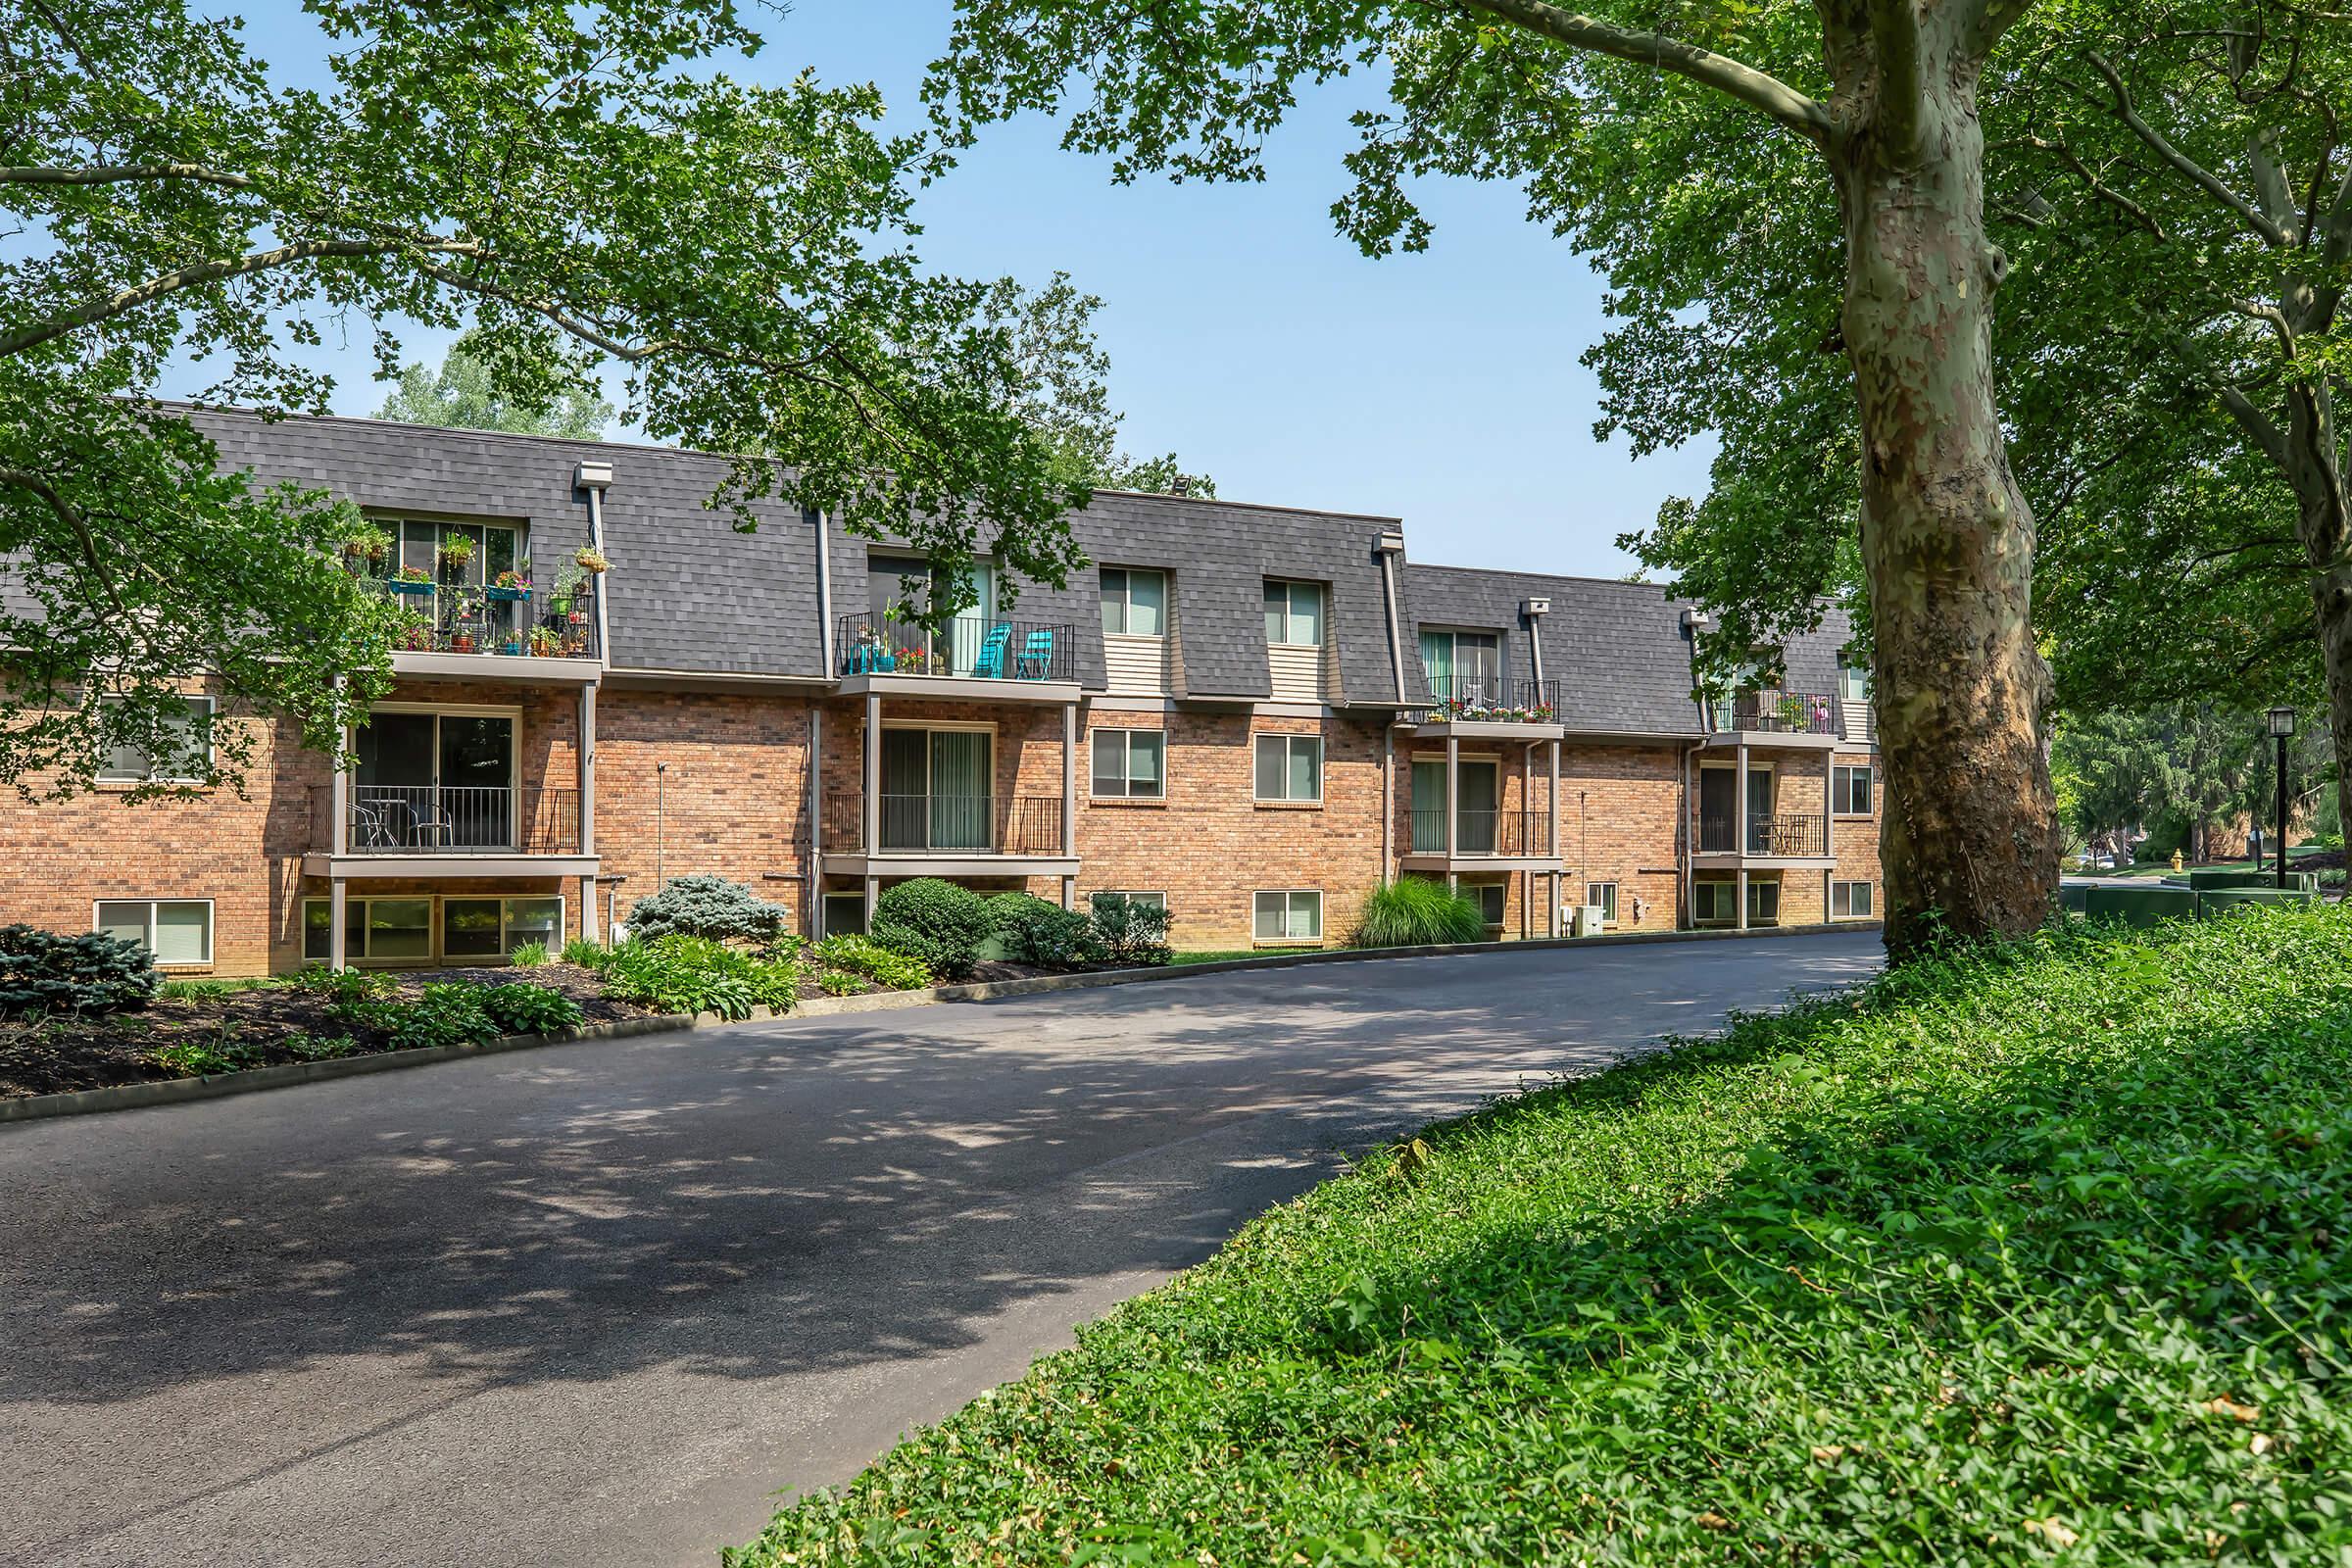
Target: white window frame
(479, 528)
(1853, 680)
(1479, 892)
(1841, 788)
(354, 918)
(210, 914)
(1258, 741)
(1454, 636)
(1756, 886)
(1157, 900)
(824, 913)
(1607, 900)
(1290, 612)
(1127, 790)
(1846, 891)
(1286, 895)
(505, 937)
(1126, 600)
(1703, 893)
(211, 710)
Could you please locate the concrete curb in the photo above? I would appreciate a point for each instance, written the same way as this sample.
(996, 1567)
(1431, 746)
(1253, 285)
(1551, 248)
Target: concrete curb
(180, 1091)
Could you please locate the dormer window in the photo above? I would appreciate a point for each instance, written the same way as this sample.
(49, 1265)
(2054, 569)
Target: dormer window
(1294, 613)
(463, 554)
(1853, 679)
(1462, 664)
(1134, 602)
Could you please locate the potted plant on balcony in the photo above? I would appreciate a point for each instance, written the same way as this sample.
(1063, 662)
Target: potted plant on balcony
(417, 635)
(591, 558)
(545, 642)
(456, 551)
(508, 587)
(372, 546)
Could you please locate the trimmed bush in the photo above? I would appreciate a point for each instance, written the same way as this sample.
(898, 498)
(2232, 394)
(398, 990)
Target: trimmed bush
(2140, 906)
(449, 1013)
(1132, 934)
(694, 974)
(2215, 902)
(582, 952)
(1034, 931)
(524, 1009)
(855, 955)
(47, 972)
(527, 955)
(706, 906)
(935, 921)
(1413, 911)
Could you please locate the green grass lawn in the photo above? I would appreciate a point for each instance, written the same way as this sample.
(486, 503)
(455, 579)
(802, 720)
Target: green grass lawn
(2027, 1255)
(1238, 953)
(2164, 868)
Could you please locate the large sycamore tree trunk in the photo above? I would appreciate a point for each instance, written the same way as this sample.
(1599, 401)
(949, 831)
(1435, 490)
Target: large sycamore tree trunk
(1971, 840)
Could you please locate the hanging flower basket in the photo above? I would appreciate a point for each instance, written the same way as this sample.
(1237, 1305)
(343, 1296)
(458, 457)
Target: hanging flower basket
(411, 580)
(591, 558)
(507, 593)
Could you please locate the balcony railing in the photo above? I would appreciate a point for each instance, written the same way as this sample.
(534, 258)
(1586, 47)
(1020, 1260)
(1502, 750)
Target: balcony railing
(1496, 833)
(1776, 713)
(536, 621)
(948, 824)
(1494, 700)
(1787, 837)
(971, 650)
(457, 821)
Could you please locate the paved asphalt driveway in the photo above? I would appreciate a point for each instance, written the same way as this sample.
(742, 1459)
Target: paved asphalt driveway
(593, 1304)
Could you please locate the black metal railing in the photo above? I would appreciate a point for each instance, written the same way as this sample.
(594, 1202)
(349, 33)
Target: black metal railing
(1495, 700)
(988, 649)
(1475, 832)
(948, 823)
(527, 620)
(1776, 713)
(454, 819)
(1785, 836)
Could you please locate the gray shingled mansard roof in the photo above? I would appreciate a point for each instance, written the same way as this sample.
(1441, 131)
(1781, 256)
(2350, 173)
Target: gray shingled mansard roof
(1615, 650)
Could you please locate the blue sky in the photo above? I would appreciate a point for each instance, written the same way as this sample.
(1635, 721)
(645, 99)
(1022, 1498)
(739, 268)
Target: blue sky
(1244, 333)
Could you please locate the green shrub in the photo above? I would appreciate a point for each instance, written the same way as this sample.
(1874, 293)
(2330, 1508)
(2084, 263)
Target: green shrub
(876, 962)
(201, 1059)
(1129, 932)
(448, 1012)
(935, 921)
(1034, 931)
(524, 1009)
(694, 974)
(344, 988)
(706, 906)
(582, 952)
(2026, 1254)
(840, 983)
(527, 955)
(46, 971)
(322, 1048)
(1413, 911)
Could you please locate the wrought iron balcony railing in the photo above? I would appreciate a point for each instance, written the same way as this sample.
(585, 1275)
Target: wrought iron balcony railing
(1494, 700)
(986, 649)
(946, 825)
(1787, 836)
(1776, 713)
(1497, 833)
(529, 619)
(436, 820)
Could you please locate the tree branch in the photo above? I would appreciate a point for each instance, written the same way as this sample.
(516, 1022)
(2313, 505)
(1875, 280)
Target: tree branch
(2258, 425)
(1894, 40)
(199, 273)
(2097, 186)
(1757, 89)
(115, 173)
(66, 511)
(2188, 168)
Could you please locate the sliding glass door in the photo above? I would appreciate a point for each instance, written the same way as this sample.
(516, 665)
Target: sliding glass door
(936, 790)
(435, 781)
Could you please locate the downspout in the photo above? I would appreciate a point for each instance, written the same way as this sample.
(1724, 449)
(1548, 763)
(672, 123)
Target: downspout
(817, 727)
(824, 590)
(596, 478)
(1391, 546)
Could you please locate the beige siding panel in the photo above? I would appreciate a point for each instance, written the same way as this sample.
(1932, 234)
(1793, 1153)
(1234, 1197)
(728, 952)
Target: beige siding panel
(1297, 675)
(1861, 724)
(1135, 666)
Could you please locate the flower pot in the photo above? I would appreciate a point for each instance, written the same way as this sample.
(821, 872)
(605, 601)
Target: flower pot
(404, 585)
(506, 594)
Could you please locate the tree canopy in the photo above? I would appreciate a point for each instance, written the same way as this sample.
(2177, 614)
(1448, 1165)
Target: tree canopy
(462, 395)
(541, 173)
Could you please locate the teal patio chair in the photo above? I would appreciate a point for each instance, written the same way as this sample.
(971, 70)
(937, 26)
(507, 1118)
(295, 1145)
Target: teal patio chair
(990, 665)
(1036, 662)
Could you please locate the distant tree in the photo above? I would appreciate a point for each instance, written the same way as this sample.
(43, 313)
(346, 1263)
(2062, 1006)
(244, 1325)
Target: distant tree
(1069, 402)
(2202, 765)
(464, 395)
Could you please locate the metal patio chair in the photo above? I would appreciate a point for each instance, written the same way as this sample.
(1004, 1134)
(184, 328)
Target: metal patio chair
(1036, 662)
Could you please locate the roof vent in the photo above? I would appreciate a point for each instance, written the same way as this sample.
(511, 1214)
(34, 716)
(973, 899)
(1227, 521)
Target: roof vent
(1390, 543)
(592, 476)
(1532, 607)
(1695, 619)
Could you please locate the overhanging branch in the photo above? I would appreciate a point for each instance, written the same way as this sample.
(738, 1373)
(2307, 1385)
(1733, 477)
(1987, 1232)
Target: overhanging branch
(2180, 162)
(116, 173)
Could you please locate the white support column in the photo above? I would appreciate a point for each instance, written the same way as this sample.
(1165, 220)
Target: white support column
(587, 773)
(1739, 817)
(871, 888)
(1069, 789)
(814, 912)
(1829, 811)
(1070, 893)
(1555, 805)
(1453, 764)
(873, 789)
(1743, 897)
(338, 923)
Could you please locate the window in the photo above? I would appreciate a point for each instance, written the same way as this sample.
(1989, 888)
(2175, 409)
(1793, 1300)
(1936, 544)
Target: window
(1157, 900)
(1463, 665)
(486, 928)
(1292, 916)
(1131, 764)
(497, 547)
(1849, 791)
(378, 930)
(1134, 602)
(1763, 902)
(1294, 613)
(1490, 897)
(1604, 895)
(175, 930)
(1849, 901)
(1290, 767)
(1715, 903)
(844, 915)
(1853, 679)
(129, 764)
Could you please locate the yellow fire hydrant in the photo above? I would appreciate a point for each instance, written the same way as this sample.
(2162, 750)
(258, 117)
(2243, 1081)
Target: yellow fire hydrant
(2175, 860)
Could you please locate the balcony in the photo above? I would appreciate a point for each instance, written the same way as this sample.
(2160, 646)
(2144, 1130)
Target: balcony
(988, 658)
(1777, 837)
(424, 829)
(1493, 706)
(1772, 711)
(947, 835)
(446, 629)
(1510, 835)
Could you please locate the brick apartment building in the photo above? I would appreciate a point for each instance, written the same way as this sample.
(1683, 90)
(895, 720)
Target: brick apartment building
(1255, 713)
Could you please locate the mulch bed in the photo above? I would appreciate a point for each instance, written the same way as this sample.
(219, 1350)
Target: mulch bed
(60, 1053)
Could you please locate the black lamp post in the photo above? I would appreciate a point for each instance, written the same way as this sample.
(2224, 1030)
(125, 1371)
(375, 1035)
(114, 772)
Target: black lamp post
(2283, 725)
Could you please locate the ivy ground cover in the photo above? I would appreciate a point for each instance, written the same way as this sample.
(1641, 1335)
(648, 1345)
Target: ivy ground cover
(2026, 1254)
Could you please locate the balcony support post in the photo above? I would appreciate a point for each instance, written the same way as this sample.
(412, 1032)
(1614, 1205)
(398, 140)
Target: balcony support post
(1453, 785)
(338, 840)
(1740, 841)
(871, 827)
(1829, 813)
(589, 926)
(1743, 897)
(338, 922)
(1553, 847)
(1070, 781)
(813, 911)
